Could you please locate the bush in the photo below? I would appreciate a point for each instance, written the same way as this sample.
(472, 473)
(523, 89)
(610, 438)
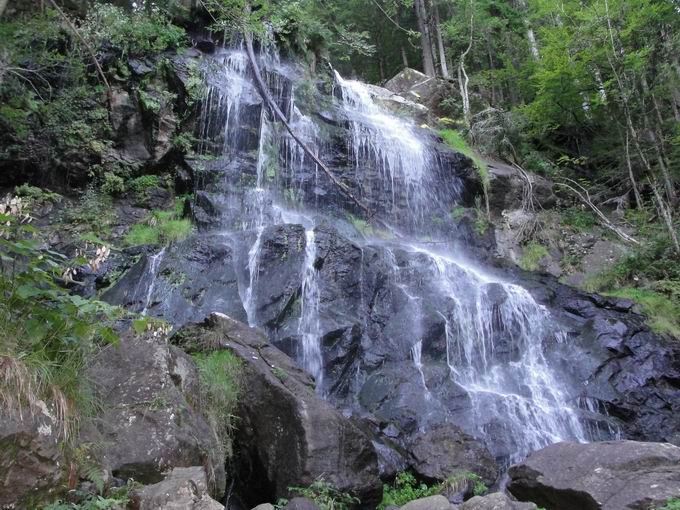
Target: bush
(325, 496)
(532, 253)
(132, 33)
(578, 219)
(219, 377)
(113, 184)
(671, 504)
(47, 333)
(144, 183)
(405, 489)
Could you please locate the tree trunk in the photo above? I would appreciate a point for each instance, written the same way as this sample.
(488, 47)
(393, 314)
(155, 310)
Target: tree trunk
(440, 42)
(425, 41)
(404, 57)
(269, 101)
(463, 79)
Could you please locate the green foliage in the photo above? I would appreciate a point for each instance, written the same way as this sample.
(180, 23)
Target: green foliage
(112, 184)
(405, 489)
(92, 215)
(532, 253)
(325, 496)
(671, 504)
(663, 313)
(161, 227)
(220, 383)
(48, 333)
(144, 183)
(134, 33)
(578, 219)
(116, 499)
(360, 225)
(454, 139)
(34, 196)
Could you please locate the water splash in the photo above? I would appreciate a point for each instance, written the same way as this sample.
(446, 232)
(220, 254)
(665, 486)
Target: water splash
(152, 269)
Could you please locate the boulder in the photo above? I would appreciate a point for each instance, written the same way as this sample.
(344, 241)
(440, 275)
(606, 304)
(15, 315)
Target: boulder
(446, 450)
(430, 503)
(31, 459)
(149, 421)
(264, 506)
(506, 188)
(182, 489)
(419, 87)
(301, 504)
(496, 501)
(611, 475)
(287, 435)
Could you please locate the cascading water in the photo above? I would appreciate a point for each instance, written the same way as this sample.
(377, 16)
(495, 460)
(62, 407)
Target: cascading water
(494, 332)
(309, 327)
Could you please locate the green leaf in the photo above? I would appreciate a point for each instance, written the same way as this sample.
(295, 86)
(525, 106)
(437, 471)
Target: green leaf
(139, 325)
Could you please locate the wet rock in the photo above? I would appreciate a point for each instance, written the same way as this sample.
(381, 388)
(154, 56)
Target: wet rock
(430, 503)
(182, 489)
(31, 459)
(128, 126)
(496, 501)
(446, 450)
(288, 436)
(149, 421)
(192, 279)
(418, 87)
(610, 476)
(301, 504)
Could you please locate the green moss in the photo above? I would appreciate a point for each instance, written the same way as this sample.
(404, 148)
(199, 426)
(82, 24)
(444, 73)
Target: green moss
(532, 253)
(663, 313)
(454, 139)
(671, 504)
(361, 225)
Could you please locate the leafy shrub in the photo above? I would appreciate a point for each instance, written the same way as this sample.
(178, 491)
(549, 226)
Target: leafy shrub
(32, 195)
(47, 333)
(132, 33)
(325, 495)
(405, 489)
(671, 504)
(219, 377)
(532, 253)
(144, 183)
(117, 498)
(113, 184)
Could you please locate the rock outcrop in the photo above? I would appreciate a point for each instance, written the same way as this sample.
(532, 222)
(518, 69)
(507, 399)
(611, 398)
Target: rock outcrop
(182, 489)
(495, 501)
(150, 422)
(612, 475)
(287, 436)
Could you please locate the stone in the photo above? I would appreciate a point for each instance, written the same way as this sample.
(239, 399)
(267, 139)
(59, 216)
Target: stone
(419, 87)
(301, 504)
(31, 459)
(446, 450)
(506, 188)
(149, 422)
(496, 501)
(288, 436)
(430, 503)
(264, 506)
(610, 475)
(182, 489)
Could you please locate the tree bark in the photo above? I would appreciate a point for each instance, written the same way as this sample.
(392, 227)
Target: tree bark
(3, 6)
(267, 97)
(463, 79)
(425, 40)
(440, 42)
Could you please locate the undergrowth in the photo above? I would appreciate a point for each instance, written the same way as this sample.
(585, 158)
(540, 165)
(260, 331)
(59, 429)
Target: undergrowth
(160, 227)
(671, 504)
(325, 495)
(406, 488)
(220, 380)
(532, 253)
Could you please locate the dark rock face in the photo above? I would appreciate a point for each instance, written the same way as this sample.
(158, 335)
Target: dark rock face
(31, 460)
(287, 435)
(496, 501)
(150, 422)
(611, 475)
(507, 185)
(447, 450)
(185, 488)
(184, 282)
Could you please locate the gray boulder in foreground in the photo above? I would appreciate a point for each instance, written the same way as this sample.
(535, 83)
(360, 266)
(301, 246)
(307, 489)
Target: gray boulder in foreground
(182, 489)
(495, 501)
(611, 475)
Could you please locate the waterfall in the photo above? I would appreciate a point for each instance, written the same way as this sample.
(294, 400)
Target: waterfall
(154, 262)
(309, 327)
(494, 331)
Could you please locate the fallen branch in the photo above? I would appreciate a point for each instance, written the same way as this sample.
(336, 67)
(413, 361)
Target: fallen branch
(584, 196)
(266, 95)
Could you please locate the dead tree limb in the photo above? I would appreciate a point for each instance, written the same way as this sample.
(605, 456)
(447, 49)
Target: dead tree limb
(583, 195)
(666, 214)
(269, 100)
